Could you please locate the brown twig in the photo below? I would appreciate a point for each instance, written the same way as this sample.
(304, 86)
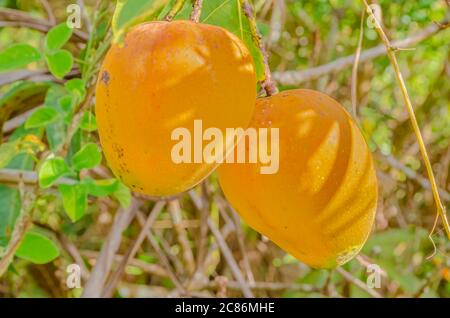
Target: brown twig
(94, 285)
(292, 78)
(188, 256)
(74, 253)
(229, 258)
(240, 238)
(19, 18)
(410, 173)
(49, 11)
(196, 10)
(162, 257)
(270, 286)
(358, 283)
(203, 231)
(117, 275)
(14, 177)
(228, 255)
(268, 84)
(85, 15)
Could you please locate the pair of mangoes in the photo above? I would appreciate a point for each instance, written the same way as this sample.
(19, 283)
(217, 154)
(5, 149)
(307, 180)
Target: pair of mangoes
(319, 206)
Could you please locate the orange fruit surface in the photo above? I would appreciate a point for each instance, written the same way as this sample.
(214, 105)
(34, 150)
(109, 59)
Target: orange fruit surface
(320, 205)
(164, 76)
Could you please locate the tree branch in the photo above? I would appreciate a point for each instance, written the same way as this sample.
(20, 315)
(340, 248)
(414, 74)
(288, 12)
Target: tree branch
(197, 11)
(17, 18)
(176, 216)
(293, 78)
(175, 10)
(94, 285)
(110, 287)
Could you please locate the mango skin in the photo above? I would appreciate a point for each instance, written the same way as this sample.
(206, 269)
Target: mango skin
(320, 206)
(165, 76)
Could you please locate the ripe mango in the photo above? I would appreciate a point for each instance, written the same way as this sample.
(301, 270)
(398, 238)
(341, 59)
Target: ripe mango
(165, 76)
(320, 205)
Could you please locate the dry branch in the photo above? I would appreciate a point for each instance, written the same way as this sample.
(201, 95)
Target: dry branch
(17, 18)
(110, 287)
(177, 218)
(358, 283)
(293, 78)
(162, 257)
(94, 285)
(197, 10)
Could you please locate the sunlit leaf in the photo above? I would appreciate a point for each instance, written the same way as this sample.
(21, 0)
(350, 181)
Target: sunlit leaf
(18, 56)
(37, 248)
(88, 122)
(60, 63)
(51, 170)
(58, 36)
(76, 87)
(101, 188)
(8, 150)
(41, 117)
(87, 157)
(10, 205)
(74, 200)
(123, 195)
(131, 12)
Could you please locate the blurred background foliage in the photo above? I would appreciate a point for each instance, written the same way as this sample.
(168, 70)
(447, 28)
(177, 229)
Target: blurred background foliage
(52, 170)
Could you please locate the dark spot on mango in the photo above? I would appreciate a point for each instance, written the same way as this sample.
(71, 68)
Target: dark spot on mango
(105, 77)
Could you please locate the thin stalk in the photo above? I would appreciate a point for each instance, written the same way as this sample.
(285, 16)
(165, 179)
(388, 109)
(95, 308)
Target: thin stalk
(268, 84)
(179, 4)
(197, 11)
(391, 54)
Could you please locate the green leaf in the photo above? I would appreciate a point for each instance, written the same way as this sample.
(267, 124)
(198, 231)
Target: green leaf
(57, 37)
(56, 132)
(74, 200)
(77, 87)
(18, 56)
(37, 248)
(51, 170)
(41, 117)
(8, 151)
(60, 63)
(184, 13)
(131, 12)
(10, 205)
(101, 188)
(229, 15)
(66, 103)
(25, 160)
(88, 122)
(123, 195)
(87, 157)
